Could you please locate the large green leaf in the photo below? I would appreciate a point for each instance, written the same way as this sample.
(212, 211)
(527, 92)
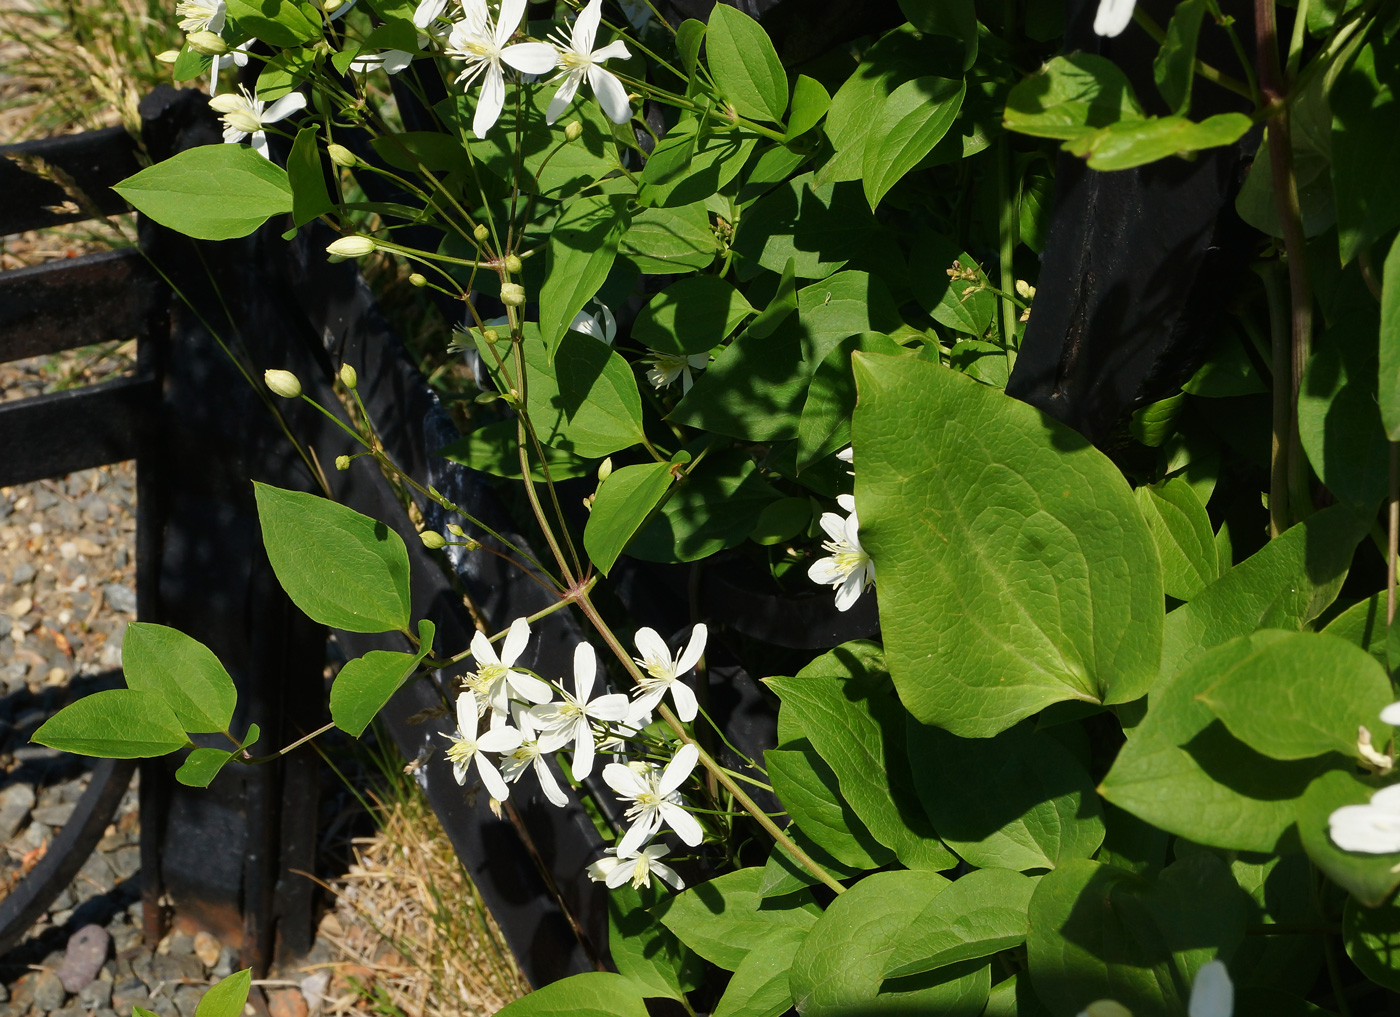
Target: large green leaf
(1389, 385)
(1183, 771)
(623, 503)
(1365, 136)
(582, 247)
(825, 426)
(1185, 540)
(492, 449)
(759, 987)
(1071, 96)
(715, 506)
(810, 101)
(725, 918)
(342, 568)
(817, 227)
(1016, 801)
(1372, 937)
(279, 22)
(366, 683)
(839, 968)
(809, 792)
(1301, 695)
(591, 994)
(1097, 932)
(1284, 585)
(688, 166)
(661, 241)
(745, 65)
(212, 192)
(643, 949)
(913, 119)
(980, 914)
(1370, 878)
(1363, 624)
(842, 706)
(963, 305)
(1175, 66)
(183, 672)
(1133, 143)
(691, 316)
(115, 724)
(1015, 569)
(307, 178)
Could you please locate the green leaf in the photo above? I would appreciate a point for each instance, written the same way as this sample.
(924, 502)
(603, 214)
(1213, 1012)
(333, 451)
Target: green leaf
(1070, 97)
(689, 36)
(981, 913)
(839, 703)
(1016, 801)
(1365, 135)
(1183, 771)
(644, 950)
(1015, 568)
(1133, 143)
(1371, 879)
(817, 228)
(585, 402)
(582, 247)
(212, 192)
(226, 997)
(1098, 932)
(1182, 531)
(1363, 624)
(745, 65)
(591, 994)
(1284, 585)
(366, 683)
(1300, 695)
(408, 150)
(202, 765)
(724, 919)
(963, 305)
(782, 520)
(825, 426)
(712, 507)
(284, 72)
(492, 449)
(183, 672)
(1175, 65)
(956, 19)
(783, 303)
(308, 181)
(1372, 938)
(115, 724)
(189, 64)
(759, 987)
(1389, 391)
(808, 790)
(913, 119)
(839, 967)
(623, 503)
(686, 167)
(661, 241)
(279, 22)
(691, 316)
(810, 101)
(343, 569)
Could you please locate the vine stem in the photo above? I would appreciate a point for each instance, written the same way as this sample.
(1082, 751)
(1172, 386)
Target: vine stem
(1393, 544)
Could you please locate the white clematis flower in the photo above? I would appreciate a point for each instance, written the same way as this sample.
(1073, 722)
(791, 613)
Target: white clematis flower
(566, 722)
(495, 676)
(482, 45)
(663, 672)
(637, 868)
(201, 16)
(466, 747)
(580, 60)
(849, 569)
(236, 57)
(1372, 829)
(529, 755)
(427, 12)
(390, 60)
(1113, 16)
(667, 367)
(244, 115)
(601, 326)
(654, 799)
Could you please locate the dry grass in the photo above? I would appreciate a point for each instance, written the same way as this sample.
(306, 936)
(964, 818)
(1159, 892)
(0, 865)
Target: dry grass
(417, 938)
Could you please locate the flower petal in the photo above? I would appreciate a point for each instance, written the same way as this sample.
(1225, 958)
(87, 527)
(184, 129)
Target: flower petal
(612, 707)
(284, 107)
(825, 572)
(565, 95)
(259, 144)
(516, 639)
(1391, 715)
(693, 651)
(1387, 799)
(500, 739)
(491, 777)
(548, 784)
(529, 686)
(508, 20)
(531, 57)
(1212, 994)
(686, 826)
(639, 833)
(586, 27)
(621, 873)
(650, 644)
(667, 873)
(679, 768)
(396, 60)
(1113, 16)
(468, 712)
(583, 751)
(427, 12)
(615, 50)
(482, 650)
(834, 525)
(490, 102)
(849, 591)
(611, 94)
(585, 670)
(684, 698)
(624, 780)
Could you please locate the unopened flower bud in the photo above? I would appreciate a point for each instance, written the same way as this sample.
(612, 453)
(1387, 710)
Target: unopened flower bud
(283, 383)
(331, 6)
(341, 156)
(1024, 290)
(491, 335)
(342, 462)
(432, 539)
(456, 530)
(481, 233)
(169, 56)
(513, 265)
(573, 130)
(418, 279)
(605, 469)
(348, 377)
(512, 294)
(352, 247)
(208, 43)
(485, 398)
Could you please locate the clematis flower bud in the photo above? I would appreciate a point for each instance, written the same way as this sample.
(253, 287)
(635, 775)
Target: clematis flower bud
(573, 130)
(491, 336)
(513, 265)
(605, 469)
(341, 156)
(283, 383)
(512, 294)
(342, 462)
(352, 247)
(481, 233)
(169, 56)
(432, 539)
(456, 530)
(348, 377)
(418, 279)
(208, 43)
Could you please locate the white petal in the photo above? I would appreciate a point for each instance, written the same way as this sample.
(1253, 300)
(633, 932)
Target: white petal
(646, 702)
(611, 94)
(678, 769)
(364, 64)
(847, 502)
(621, 873)
(698, 637)
(565, 95)
(531, 57)
(586, 27)
(467, 714)
(615, 50)
(624, 780)
(226, 103)
(1212, 995)
(1364, 828)
(638, 834)
(459, 773)
(686, 826)
(549, 785)
(482, 650)
(825, 572)
(583, 321)
(396, 60)
(585, 669)
(427, 12)
(650, 644)
(612, 707)
(500, 739)
(684, 698)
(667, 873)
(1113, 16)
(609, 323)
(529, 686)
(834, 525)
(583, 751)
(490, 102)
(849, 591)
(598, 871)
(260, 144)
(1387, 799)
(1391, 714)
(284, 107)
(508, 20)
(516, 639)
(491, 777)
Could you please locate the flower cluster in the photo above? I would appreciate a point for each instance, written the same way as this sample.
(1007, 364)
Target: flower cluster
(849, 569)
(525, 724)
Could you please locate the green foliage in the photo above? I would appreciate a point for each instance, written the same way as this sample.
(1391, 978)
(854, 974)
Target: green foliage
(183, 672)
(591, 994)
(644, 950)
(226, 997)
(581, 250)
(976, 916)
(624, 502)
(214, 192)
(116, 724)
(725, 918)
(366, 683)
(745, 65)
(203, 764)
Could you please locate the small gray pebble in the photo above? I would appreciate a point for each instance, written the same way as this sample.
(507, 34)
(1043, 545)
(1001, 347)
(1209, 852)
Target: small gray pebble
(135, 913)
(6, 507)
(97, 509)
(187, 999)
(55, 815)
(44, 499)
(74, 1009)
(96, 874)
(128, 993)
(60, 918)
(23, 573)
(7, 649)
(172, 967)
(97, 992)
(15, 803)
(126, 862)
(225, 966)
(68, 516)
(87, 949)
(164, 1004)
(78, 483)
(49, 993)
(119, 598)
(65, 900)
(181, 943)
(124, 937)
(119, 557)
